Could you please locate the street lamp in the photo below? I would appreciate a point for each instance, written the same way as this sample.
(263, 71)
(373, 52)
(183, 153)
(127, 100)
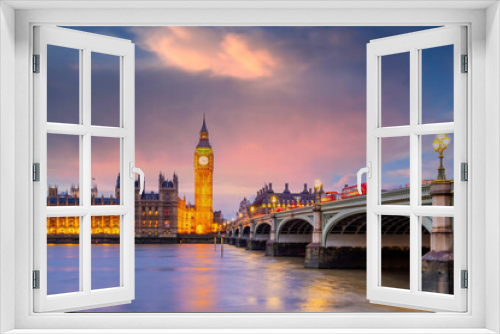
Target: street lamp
(440, 144)
(317, 187)
(252, 210)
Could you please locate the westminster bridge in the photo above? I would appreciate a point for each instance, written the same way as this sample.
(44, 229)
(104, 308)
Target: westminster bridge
(333, 234)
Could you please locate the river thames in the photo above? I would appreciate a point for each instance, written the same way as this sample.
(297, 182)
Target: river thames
(194, 278)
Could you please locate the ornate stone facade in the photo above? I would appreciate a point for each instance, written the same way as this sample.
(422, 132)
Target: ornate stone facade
(285, 200)
(159, 214)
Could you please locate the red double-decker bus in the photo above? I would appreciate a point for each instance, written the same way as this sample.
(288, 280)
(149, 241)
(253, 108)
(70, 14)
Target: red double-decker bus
(352, 191)
(330, 196)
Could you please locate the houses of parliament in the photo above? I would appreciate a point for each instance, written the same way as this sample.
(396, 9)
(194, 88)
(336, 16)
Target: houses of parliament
(160, 214)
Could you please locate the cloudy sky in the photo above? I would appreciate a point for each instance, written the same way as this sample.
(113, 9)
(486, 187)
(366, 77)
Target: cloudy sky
(283, 104)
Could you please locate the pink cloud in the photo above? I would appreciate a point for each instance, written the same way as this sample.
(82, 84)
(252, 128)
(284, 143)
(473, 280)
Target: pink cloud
(197, 49)
(399, 172)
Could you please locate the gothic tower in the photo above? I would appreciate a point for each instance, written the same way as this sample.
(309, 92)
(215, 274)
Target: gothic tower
(203, 182)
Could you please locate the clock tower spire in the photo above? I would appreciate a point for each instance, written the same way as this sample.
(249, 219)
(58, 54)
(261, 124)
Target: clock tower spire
(203, 182)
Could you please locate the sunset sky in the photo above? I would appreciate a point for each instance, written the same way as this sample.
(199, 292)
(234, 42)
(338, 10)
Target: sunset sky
(283, 104)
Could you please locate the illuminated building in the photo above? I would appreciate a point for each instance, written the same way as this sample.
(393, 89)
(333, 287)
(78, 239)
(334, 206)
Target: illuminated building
(267, 200)
(161, 214)
(67, 226)
(157, 214)
(203, 183)
(186, 217)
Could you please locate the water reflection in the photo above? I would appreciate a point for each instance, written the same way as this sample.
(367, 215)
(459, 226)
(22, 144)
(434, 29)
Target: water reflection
(194, 278)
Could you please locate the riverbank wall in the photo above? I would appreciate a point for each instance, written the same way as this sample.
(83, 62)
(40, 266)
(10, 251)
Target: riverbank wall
(115, 239)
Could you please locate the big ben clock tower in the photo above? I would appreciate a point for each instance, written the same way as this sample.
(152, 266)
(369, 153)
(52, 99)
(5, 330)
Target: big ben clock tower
(203, 182)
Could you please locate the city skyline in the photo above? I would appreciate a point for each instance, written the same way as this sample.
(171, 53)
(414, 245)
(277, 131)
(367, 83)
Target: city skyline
(283, 105)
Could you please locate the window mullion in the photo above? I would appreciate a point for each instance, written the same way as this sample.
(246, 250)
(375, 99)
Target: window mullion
(85, 167)
(415, 184)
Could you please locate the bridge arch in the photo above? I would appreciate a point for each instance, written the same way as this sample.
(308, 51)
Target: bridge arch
(296, 229)
(337, 219)
(262, 231)
(352, 225)
(245, 232)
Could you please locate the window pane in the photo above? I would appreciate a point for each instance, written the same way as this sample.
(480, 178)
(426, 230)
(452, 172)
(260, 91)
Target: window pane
(105, 171)
(395, 252)
(437, 169)
(63, 170)
(63, 255)
(437, 254)
(105, 252)
(63, 84)
(437, 84)
(395, 94)
(105, 89)
(395, 170)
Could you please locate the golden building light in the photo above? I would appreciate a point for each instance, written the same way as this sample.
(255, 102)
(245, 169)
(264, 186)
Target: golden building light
(273, 199)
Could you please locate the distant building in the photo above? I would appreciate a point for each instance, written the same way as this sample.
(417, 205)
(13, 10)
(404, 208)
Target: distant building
(264, 203)
(160, 214)
(244, 209)
(218, 219)
(67, 226)
(157, 214)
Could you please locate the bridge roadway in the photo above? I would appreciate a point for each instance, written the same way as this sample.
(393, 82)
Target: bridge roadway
(332, 234)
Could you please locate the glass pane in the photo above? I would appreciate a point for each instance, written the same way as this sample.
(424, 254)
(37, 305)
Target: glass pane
(437, 169)
(105, 252)
(437, 84)
(395, 170)
(395, 253)
(395, 94)
(105, 171)
(437, 254)
(63, 84)
(105, 89)
(63, 255)
(63, 170)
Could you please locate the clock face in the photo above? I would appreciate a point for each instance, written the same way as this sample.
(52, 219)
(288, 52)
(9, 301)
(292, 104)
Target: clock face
(203, 160)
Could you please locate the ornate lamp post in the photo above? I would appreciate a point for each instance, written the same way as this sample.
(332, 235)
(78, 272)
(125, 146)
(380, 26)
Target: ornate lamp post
(252, 211)
(317, 187)
(316, 256)
(440, 144)
(437, 264)
(273, 199)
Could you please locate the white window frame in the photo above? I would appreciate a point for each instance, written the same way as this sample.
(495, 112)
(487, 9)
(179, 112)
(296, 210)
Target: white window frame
(85, 44)
(414, 43)
(482, 19)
